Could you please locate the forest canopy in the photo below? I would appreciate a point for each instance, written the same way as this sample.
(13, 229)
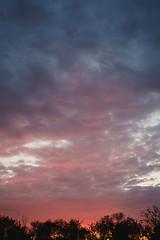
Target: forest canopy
(110, 227)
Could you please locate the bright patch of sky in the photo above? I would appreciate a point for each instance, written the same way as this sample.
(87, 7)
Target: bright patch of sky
(48, 143)
(4, 174)
(92, 62)
(151, 121)
(20, 159)
(151, 179)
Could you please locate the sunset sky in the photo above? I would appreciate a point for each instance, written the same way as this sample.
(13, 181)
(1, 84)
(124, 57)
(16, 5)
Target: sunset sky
(79, 107)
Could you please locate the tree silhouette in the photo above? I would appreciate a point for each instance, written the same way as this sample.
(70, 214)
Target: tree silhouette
(43, 230)
(152, 216)
(118, 216)
(59, 229)
(128, 229)
(11, 229)
(104, 227)
(152, 219)
(113, 227)
(73, 229)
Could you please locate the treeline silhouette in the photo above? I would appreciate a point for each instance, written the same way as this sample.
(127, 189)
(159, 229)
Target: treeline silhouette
(110, 227)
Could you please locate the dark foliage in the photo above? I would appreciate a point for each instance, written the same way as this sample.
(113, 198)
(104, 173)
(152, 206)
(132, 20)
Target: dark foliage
(11, 229)
(152, 219)
(114, 227)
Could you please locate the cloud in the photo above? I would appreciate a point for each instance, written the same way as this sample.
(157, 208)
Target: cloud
(79, 112)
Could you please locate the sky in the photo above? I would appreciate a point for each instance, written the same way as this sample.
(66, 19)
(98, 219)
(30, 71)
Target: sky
(79, 108)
